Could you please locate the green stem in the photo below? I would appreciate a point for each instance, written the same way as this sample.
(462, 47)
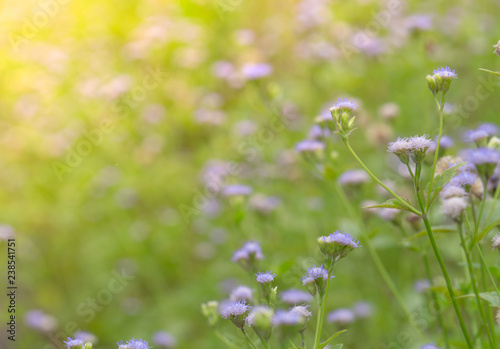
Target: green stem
(436, 155)
(318, 323)
(397, 197)
(481, 256)
(321, 314)
(493, 204)
(481, 210)
(376, 259)
(435, 299)
(248, 338)
(448, 282)
(440, 261)
(489, 315)
(303, 338)
(264, 343)
(474, 285)
(418, 172)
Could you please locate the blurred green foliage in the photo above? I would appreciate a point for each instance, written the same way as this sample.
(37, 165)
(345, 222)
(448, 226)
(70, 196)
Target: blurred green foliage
(119, 206)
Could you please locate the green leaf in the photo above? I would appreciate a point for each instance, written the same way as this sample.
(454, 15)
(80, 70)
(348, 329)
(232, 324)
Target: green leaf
(338, 346)
(392, 203)
(441, 180)
(485, 231)
(325, 343)
(490, 71)
(293, 345)
(490, 297)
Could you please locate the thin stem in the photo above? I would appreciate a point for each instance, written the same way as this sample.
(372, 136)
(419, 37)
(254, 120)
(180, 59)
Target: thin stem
(248, 338)
(318, 323)
(481, 256)
(409, 170)
(474, 284)
(435, 300)
(397, 197)
(448, 282)
(376, 259)
(418, 172)
(436, 155)
(440, 260)
(303, 338)
(481, 209)
(321, 318)
(493, 204)
(473, 210)
(489, 315)
(264, 343)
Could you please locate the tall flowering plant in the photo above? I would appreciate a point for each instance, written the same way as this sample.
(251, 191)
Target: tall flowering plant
(265, 323)
(462, 185)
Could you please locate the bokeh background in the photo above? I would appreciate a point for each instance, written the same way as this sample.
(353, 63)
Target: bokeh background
(116, 114)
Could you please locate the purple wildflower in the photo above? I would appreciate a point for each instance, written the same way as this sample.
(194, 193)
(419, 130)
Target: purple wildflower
(353, 177)
(317, 132)
(241, 293)
(266, 277)
(336, 246)
(464, 179)
(430, 346)
(315, 273)
(418, 22)
(420, 143)
(223, 69)
(342, 316)
(40, 321)
(341, 239)
(287, 318)
(452, 191)
(260, 315)
(248, 254)
(445, 73)
(264, 204)
(237, 190)
(253, 71)
(482, 156)
(345, 104)
(76, 343)
(164, 339)
(475, 135)
(497, 48)
(363, 309)
(421, 286)
(309, 146)
(293, 297)
(446, 143)
(302, 311)
(134, 344)
(489, 128)
(234, 309)
(86, 336)
(315, 280)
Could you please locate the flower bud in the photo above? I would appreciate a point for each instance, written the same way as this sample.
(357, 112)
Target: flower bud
(431, 83)
(209, 310)
(261, 321)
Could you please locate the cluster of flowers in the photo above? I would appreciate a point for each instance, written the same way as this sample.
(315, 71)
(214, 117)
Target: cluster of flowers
(456, 180)
(264, 318)
(79, 343)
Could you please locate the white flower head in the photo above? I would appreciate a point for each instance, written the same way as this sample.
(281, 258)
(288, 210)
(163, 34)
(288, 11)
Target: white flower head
(495, 242)
(454, 207)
